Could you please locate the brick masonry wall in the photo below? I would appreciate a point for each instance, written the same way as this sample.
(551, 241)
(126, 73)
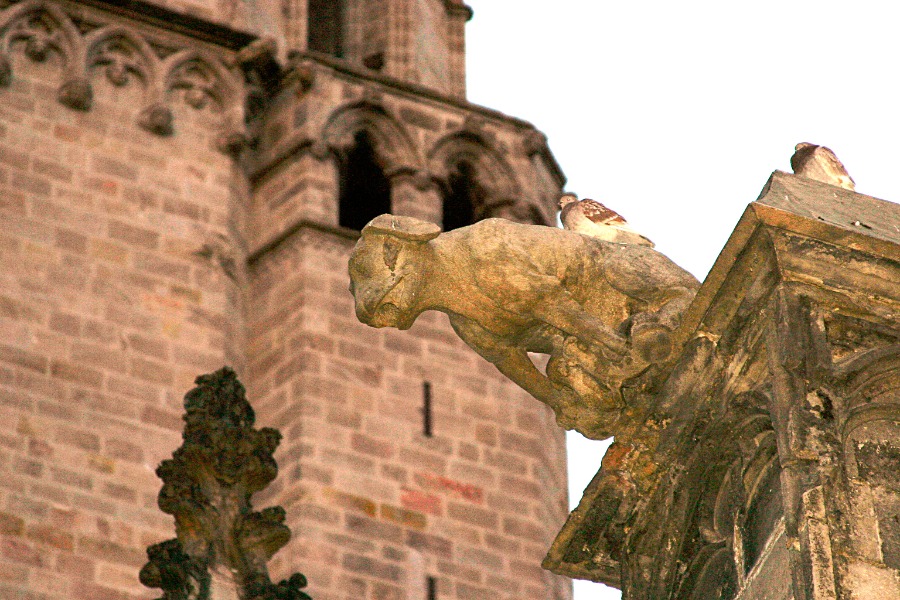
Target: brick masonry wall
(376, 506)
(106, 316)
(122, 277)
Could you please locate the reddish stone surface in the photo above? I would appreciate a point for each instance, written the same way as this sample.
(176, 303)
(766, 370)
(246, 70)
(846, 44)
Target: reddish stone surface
(124, 273)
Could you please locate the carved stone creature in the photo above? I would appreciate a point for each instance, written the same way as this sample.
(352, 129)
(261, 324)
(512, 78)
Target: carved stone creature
(821, 164)
(603, 312)
(596, 220)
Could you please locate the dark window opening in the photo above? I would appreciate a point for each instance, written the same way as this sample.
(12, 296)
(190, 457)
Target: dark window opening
(426, 410)
(431, 584)
(465, 196)
(325, 23)
(365, 190)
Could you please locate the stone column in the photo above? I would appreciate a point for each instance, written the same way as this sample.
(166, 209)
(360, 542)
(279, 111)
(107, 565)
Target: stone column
(457, 15)
(415, 194)
(294, 14)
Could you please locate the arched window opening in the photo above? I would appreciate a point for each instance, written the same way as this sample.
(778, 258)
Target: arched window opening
(325, 26)
(465, 196)
(365, 190)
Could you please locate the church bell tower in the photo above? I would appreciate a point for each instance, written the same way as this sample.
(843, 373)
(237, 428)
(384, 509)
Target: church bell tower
(421, 473)
(183, 183)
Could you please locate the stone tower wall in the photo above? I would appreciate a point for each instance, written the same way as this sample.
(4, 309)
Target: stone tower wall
(420, 41)
(113, 297)
(379, 506)
(143, 244)
(376, 504)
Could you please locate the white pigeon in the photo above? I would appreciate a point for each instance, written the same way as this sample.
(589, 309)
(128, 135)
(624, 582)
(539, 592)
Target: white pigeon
(820, 163)
(589, 217)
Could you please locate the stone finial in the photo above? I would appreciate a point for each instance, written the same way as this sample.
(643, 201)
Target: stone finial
(820, 163)
(222, 544)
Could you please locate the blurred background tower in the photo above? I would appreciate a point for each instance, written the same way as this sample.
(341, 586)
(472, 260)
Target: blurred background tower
(182, 183)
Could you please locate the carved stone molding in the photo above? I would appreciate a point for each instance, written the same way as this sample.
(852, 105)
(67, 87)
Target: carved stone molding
(301, 70)
(222, 544)
(41, 29)
(420, 179)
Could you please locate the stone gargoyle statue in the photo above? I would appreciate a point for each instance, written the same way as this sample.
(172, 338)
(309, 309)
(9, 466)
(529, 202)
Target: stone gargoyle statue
(604, 312)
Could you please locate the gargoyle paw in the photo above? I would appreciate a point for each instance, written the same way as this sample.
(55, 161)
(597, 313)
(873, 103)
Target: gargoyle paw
(651, 341)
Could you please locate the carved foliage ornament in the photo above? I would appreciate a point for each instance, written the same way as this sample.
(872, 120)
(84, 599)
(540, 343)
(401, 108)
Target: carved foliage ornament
(42, 30)
(207, 485)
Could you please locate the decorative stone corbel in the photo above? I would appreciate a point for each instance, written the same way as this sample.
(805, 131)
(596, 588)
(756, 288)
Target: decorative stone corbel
(42, 30)
(232, 142)
(300, 71)
(319, 150)
(76, 93)
(156, 118)
(371, 95)
(222, 544)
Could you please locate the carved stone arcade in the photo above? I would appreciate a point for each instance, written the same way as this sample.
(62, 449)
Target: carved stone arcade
(756, 453)
(86, 44)
(222, 544)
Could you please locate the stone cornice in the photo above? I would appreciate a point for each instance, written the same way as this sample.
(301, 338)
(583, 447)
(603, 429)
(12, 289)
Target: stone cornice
(177, 22)
(289, 232)
(846, 219)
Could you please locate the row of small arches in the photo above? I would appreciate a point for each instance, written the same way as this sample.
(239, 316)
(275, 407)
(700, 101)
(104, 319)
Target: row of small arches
(471, 176)
(365, 189)
(41, 31)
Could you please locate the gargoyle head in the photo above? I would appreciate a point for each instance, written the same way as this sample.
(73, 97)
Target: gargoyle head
(387, 270)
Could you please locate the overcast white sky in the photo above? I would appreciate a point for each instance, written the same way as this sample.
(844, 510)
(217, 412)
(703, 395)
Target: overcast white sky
(675, 113)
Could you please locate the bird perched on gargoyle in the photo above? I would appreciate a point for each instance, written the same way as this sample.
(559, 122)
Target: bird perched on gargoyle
(589, 217)
(820, 163)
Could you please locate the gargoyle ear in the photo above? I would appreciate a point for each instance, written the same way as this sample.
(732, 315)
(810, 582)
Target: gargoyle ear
(405, 228)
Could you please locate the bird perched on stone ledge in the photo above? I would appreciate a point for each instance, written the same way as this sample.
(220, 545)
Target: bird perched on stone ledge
(589, 217)
(821, 164)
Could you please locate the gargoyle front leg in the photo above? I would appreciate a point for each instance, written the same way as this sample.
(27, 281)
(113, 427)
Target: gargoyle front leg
(671, 312)
(651, 332)
(513, 362)
(568, 316)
